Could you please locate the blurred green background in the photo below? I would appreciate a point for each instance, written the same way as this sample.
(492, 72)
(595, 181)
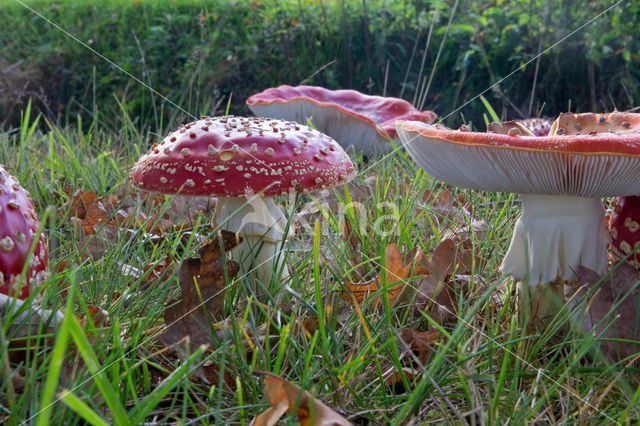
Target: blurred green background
(203, 54)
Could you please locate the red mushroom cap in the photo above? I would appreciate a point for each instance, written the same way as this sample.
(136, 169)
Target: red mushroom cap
(236, 156)
(379, 111)
(537, 126)
(528, 126)
(624, 227)
(18, 225)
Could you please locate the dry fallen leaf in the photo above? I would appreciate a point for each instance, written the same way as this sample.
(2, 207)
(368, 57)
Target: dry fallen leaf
(80, 202)
(124, 210)
(420, 345)
(396, 271)
(285, 397)
(420, 342)
(202, 281)
(612, 310)
(349, 235)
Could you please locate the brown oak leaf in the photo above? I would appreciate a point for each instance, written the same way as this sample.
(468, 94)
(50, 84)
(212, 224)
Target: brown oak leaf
(202, 281)
(395, 272)
(285, 397)
(612, 310)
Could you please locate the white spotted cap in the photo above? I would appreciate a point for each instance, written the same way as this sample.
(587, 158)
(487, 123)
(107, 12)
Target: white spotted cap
(231, 156)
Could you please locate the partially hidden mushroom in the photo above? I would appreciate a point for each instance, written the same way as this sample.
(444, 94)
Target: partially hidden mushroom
(246, 162)
(624, 229)
(356, 121)
(18, 228)
(560, 178)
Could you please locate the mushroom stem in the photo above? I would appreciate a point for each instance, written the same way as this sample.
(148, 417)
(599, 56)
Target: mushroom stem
(555, 235)
(261, 224)
(540, 303)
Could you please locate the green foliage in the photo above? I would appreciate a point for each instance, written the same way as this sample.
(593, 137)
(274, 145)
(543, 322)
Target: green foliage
(198, 53)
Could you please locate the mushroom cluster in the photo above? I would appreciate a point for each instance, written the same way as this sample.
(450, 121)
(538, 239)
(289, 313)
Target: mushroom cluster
(18, 227)
(245, 162)
(560, 177)
(362, 122)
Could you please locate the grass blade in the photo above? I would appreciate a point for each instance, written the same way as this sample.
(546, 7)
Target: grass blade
(490, 110)
(81, 408)
(57, 358)
(97, 371)
(144, 407)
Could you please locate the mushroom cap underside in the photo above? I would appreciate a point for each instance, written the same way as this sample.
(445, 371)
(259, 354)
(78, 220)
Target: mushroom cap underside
(378, 112)
(583, 165)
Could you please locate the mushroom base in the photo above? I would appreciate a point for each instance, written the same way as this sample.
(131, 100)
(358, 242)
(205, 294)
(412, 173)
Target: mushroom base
(261, 224)
(540, 303)
(554, 235)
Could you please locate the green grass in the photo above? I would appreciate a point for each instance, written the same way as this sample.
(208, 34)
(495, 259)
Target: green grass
(488, 368)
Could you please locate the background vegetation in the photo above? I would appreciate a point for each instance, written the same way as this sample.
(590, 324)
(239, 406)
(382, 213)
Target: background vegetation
(437, 54)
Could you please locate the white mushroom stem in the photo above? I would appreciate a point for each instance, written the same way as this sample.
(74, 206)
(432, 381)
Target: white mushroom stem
(261, 224)
(554, 235)
(27, 318)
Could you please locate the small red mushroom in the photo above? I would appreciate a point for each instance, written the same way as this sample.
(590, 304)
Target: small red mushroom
(362, 122)
(245, 162)
(624, 228)
(18, 226)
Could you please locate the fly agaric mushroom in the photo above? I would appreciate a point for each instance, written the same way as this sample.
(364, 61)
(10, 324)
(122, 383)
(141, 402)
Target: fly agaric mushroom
(18, 226)
(245, 162)
(561, 178)
(362, 122)
(624, 229)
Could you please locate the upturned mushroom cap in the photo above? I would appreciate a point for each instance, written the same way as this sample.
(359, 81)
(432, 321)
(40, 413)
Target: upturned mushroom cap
(624, 228)
(18, 225)
(234, 156)
(585, 155)
(354, 119)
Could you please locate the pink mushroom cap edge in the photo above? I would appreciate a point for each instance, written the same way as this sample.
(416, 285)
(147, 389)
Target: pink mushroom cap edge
(235, 156)
(378, 111)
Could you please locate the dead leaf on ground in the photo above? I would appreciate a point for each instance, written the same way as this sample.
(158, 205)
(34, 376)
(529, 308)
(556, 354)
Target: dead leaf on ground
(80, 202)
(603, 318)
(285, 397)
(349, 235)
(202, 281)
(125, 210)
(420, 342)
(444, 205)
(396, 272)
